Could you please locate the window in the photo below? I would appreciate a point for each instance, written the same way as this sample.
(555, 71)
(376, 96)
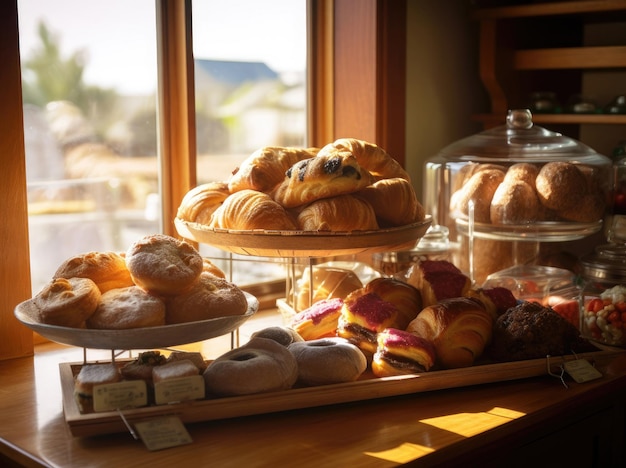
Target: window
(359, 21)
(91, 105)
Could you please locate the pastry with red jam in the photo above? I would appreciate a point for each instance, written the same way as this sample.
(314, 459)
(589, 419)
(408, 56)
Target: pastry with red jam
(400, 353)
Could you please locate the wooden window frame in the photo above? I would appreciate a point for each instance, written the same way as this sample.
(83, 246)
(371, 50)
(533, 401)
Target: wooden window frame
(356, 85)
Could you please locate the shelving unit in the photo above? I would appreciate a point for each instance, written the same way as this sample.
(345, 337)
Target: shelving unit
(566, 47)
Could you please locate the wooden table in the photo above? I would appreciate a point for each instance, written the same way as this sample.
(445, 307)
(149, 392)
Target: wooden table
(517, 423)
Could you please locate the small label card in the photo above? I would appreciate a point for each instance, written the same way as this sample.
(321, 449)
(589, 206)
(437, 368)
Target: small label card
(127, 394)
(162, 433)
(179, 389)
(581, 370)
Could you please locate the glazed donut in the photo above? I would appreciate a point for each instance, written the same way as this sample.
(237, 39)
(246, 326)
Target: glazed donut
(261, 365)
(106, 269)
(327, 361)
(282, 335)
(369, 156)
(209, 297)
(319, 320)
(200, 202)
(124, 308)
(163, 265)
(67, 302)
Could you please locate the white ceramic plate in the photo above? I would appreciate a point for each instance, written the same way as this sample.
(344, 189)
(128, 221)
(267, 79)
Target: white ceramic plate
(136, 338)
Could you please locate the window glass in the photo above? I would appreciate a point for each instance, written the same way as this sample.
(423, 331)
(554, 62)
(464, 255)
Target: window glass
(250, 93)
(89, 89)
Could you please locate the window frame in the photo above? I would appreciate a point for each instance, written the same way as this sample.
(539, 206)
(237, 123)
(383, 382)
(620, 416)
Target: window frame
(356, 67)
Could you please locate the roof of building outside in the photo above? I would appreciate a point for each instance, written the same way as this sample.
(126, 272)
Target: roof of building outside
(236, 73)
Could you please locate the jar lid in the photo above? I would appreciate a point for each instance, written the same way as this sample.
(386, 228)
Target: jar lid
(607, 263)
(520, 139)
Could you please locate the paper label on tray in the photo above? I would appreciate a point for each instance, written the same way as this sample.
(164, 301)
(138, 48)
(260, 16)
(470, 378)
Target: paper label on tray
(179, 389)
(127, 394)
(162, 433)
(581, 370)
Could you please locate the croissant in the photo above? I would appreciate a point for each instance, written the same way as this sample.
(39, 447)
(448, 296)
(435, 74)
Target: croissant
(340, 213)
(460, 328)
(369, 156)
(394, 201)
(265, 168)
(323, 176)
(249, 210)
(200, 202)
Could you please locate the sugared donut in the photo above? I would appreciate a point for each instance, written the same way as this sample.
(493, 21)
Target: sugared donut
(327, 361)
(163, 265)
(282, 335)
(261, 365)
(124, 308)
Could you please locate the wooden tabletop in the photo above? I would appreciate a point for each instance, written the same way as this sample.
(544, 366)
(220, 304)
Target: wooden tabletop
(445, 426)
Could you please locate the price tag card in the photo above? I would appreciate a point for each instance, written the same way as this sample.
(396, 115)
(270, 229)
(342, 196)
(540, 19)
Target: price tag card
(127, 394)
(581, 370)
(162, 433)
(179, 389)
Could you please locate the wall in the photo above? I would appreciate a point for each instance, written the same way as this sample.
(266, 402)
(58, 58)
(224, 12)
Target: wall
(443, 84)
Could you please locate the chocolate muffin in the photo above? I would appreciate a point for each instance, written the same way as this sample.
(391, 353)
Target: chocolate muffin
(532, 331)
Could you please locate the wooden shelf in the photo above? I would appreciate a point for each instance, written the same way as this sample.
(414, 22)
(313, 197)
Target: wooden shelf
(570, 57)
(550, 9)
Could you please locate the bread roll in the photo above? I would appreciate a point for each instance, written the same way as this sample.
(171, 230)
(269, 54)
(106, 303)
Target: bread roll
(343, 213)
(200, 202)
(477, 194)
(125, 308)
(248, 210)
(459, 328)
(394, 202)
(560, 185)
(107, 269)
(67, 302)
(525, 172)
(326, 175)
(514, 202)
(209, 297)
(265, 168)
(371, 157)
(163, 265)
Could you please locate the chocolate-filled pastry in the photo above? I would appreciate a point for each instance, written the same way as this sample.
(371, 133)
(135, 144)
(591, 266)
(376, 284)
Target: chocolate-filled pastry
(323, 176)
(400, 352)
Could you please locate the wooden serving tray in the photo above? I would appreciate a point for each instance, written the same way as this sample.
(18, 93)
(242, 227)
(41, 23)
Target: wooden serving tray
(304, 243)
(367, 387)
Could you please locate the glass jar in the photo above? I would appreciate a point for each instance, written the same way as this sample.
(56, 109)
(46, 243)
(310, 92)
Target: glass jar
(497, 213)
(603, 297)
